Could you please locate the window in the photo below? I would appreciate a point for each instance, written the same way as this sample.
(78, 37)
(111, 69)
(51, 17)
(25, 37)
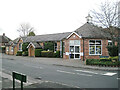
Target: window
(7, 48)
(95, 47)
(109, 42)
(20, 46)
(11, 49)
(55, 46)
(63, 47)
(74, 42)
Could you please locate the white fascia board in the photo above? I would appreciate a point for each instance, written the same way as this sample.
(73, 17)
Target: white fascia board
(75, 34)
(30, 44)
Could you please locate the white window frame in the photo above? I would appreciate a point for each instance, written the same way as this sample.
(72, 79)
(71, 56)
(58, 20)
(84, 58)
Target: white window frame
(11, 49)
(95, 47)
(109, 41)
(74, 49)
(7, 49)
(20, 49)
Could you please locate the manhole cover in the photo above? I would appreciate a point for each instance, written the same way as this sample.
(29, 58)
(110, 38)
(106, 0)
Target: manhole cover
(39, 78)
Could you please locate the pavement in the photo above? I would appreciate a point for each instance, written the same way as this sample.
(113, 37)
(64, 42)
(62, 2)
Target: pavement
(61, 62)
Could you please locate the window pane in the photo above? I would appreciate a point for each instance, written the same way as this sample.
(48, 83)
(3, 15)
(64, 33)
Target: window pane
(71, 48)
(77, 55)
(77, 49)
(92, 42)
(77, 42)
(92, 49)
(98, 49)
(98, 42)
(71, 42)
(71, 55)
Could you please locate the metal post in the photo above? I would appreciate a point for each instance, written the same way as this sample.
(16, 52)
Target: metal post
(22, 84)
(13, 82)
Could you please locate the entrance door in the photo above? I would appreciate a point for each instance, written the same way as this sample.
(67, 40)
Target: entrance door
(75, 52)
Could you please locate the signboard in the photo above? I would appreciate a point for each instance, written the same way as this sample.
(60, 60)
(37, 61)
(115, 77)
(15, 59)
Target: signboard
(19, 76)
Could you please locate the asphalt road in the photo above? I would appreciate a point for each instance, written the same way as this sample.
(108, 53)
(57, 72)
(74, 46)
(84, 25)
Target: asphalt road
(74, 77)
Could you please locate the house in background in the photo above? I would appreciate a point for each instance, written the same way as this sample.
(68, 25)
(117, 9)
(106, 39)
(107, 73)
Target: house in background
(3, 41)
(13, 46)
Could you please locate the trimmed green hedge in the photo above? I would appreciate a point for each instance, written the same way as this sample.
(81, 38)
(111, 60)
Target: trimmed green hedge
(103, 63)
(47, 54)
(19, 53)
(57, 54)
(25, 53)
(38, 52)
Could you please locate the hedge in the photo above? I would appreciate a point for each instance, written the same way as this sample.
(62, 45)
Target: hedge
(25, 53)
(47, 54)
(19, 53)
(24, 46)
(99, 62)
(38, 52)
(57, 54)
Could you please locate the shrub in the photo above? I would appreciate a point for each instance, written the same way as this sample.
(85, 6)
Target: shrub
(113, 50)
(105, 59)
(57, 54)
(49, 46)
(47, 54)
(98, 62)
(24, 46)
(38, 52)
(19, 53)
(114, 58)
(25, 53)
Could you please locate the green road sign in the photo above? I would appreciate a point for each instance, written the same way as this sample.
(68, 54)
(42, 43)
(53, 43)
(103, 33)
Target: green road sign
(19, 76)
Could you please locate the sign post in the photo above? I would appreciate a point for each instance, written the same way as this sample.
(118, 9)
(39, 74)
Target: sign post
(19, 77)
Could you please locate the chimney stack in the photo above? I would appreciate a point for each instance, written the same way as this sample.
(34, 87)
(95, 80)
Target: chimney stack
(3, 34)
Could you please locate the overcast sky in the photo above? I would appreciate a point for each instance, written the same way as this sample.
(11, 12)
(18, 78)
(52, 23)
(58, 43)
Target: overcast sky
(46, 16)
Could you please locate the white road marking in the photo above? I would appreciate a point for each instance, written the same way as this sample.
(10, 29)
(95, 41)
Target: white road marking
(109, 74)
(106, 74)
(86, 71)
(65, 72)
(34, 66)
(83, 74)
(73, 73)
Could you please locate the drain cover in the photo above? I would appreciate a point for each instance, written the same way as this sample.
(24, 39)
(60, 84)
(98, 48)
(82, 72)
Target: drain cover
(39, 78)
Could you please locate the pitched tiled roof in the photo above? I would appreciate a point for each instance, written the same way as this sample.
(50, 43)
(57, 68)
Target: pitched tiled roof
(36, 45)
(4, 39)
(47, 37)
(17, 39)
(88, 30)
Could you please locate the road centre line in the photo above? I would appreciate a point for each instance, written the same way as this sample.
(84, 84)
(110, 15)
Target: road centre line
(86, 71)
(73, 73)
(106, 74)
(34, 66)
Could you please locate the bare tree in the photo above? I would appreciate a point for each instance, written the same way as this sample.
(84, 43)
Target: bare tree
(25, 29)
(107, 16)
